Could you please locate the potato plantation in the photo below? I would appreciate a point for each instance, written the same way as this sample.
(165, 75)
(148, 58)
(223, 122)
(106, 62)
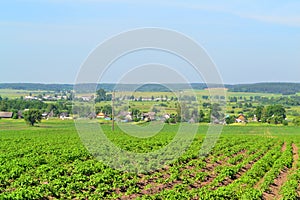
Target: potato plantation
(50, 162)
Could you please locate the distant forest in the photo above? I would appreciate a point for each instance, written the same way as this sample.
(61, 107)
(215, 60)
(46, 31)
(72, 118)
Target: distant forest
(36, 86)
(277, 88)
(92, 87)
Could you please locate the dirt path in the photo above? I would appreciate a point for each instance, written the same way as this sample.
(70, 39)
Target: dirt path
(275, 187)
(282, 178)
(295, 156)
(283, 148)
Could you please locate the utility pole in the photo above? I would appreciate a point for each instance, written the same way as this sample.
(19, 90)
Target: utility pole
(112, 111)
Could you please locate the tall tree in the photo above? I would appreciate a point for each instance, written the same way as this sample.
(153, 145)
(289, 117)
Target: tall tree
(32, 116)
(100, 95)
(201, 116)
(107, 109)
(258, 112)
(274, 114)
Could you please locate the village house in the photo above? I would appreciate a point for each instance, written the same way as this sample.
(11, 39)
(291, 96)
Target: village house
(124, 116)
(166, 116)
(20, 114)
(100, 115)
(241, 119)
(149, 116)
(31, 98)
(92, 115)
(128, 117)
(254, 119)
(47, 115)
(64, 116)
(6, 114)
(86, 98)
(44, 115)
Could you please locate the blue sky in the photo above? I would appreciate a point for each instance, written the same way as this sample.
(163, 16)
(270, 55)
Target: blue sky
(249, 41)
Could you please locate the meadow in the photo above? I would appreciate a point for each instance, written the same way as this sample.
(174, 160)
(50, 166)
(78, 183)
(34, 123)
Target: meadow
(49, 161)
(13, 93)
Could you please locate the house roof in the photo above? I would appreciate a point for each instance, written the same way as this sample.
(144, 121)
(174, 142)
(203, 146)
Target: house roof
(6, 114)
(149, 114)
(241, 117)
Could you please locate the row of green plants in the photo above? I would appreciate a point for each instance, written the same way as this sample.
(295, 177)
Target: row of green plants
(51, 162)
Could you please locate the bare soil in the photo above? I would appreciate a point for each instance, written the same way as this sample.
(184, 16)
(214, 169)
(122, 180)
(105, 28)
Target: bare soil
(282, 178)
(243, 170)
(257, 185)
(158, 187)
(283, 148)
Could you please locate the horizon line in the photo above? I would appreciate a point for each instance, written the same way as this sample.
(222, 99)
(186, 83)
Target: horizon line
(59, 83)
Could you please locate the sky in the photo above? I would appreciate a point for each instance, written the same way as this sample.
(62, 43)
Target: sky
(249, 41)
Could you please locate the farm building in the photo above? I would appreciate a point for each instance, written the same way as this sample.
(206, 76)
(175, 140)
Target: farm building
(241, 119)
(6, 114)
(128, 117)
(64, 116)
(166, 116)
(20, 114)
(92, 115)
(101, 115)
(150, 116)
(47, 115)
(86, 98)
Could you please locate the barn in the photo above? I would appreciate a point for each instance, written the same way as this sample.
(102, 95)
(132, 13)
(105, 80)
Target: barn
(6, 114)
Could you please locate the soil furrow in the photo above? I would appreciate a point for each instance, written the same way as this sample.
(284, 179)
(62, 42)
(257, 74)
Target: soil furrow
(281, 178)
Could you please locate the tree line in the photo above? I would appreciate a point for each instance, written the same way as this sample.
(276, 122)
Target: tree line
(277, 88)
(19, 104)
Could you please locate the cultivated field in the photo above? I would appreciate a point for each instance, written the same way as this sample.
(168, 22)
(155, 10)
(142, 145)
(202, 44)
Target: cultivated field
(12, 93)
(248, 162)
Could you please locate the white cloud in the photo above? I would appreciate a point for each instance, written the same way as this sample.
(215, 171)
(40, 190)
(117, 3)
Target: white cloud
(267, 11)
(282, 20)
(283, 13)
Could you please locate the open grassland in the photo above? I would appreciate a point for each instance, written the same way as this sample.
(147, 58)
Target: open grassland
(50, 162)
(198, 93)
(12, 93)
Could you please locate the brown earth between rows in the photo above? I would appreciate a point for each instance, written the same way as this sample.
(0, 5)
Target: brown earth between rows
(156, 188)
(282, 178)
(257, 185)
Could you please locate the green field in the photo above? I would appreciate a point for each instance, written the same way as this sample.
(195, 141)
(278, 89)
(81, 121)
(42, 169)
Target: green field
(49, 161)
(12, 93)
(198, 93)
